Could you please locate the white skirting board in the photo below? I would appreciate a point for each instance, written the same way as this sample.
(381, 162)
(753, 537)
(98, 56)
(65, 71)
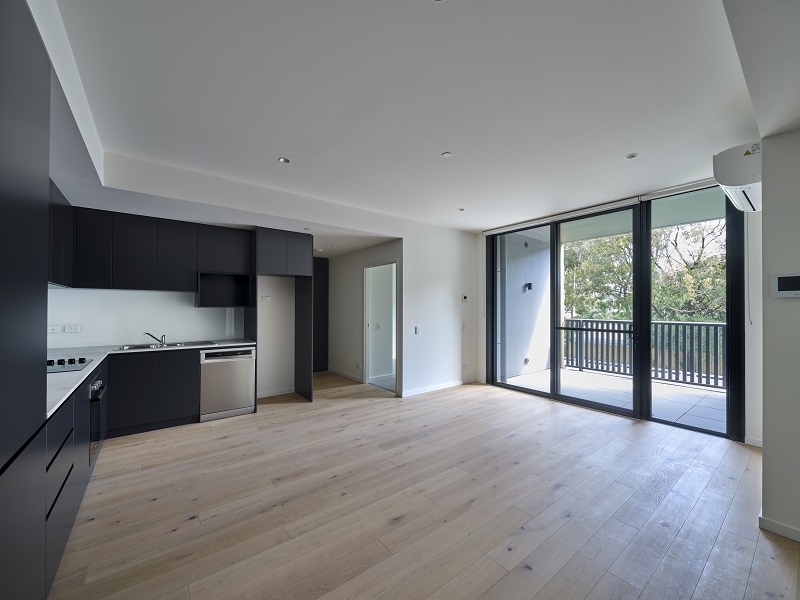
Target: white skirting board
(751, 441)
(343, 374)
(433, 388)
(785, 530)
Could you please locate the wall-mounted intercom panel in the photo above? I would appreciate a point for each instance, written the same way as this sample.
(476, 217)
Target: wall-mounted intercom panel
(786, 285)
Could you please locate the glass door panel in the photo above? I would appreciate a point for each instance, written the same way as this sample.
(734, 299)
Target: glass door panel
(596, 309)
(688, 309)
(523, 309)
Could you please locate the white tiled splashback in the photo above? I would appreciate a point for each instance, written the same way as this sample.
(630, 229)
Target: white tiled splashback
(109, 317)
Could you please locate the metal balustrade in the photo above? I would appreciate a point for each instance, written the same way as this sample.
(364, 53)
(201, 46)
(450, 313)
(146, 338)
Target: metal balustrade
(680, 351)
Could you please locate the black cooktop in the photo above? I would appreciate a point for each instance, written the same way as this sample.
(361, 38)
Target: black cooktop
(64, 365)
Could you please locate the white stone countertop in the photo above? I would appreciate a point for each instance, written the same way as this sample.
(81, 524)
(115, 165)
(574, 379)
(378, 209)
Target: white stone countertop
(61, 385)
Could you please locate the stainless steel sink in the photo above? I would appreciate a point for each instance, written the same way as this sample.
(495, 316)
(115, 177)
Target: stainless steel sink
(171, 345)
(137, 347)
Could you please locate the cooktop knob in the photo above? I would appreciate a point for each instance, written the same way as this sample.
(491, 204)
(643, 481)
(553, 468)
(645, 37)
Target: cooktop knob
(61, 361)
(81, 360)
(71, 361)
(50, 362)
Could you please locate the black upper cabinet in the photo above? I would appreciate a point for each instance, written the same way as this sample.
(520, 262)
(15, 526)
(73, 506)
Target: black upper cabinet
(62, 238)
(223, 250)
(177, 256)
(284, 252)
(132, 399)
(178, 388)
(299, 254)
(25, 208)
(134, 252)
(270, 251)
(93, 248)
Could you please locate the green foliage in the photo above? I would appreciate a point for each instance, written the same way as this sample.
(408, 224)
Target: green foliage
(598, 282)
(688, 268)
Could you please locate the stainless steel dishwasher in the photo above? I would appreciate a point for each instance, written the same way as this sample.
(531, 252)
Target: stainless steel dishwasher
(227, 382)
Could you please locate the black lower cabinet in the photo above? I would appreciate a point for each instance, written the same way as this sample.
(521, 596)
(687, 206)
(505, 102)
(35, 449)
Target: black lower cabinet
(132, 402)
(152, 390)
(178, 388)
(82, 469)
(22, 521)
(59, 525)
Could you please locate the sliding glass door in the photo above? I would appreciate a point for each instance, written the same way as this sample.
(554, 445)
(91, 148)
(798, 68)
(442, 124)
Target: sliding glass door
(636, 311)
(595, 313)
(689, 309)
(523, 309)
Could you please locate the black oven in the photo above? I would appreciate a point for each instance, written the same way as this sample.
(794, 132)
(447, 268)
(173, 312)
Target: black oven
(98, 416)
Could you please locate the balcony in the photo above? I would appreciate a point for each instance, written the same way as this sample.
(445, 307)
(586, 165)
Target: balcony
(687, 367)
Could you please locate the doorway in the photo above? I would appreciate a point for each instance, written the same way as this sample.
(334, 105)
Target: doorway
(380, 308)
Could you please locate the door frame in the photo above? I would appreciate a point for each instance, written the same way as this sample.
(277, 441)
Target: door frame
(365, 323)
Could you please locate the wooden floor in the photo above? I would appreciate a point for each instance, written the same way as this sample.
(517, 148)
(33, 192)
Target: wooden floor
(471, 492)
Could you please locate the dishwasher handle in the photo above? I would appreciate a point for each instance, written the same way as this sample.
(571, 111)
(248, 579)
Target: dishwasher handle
(230, 354)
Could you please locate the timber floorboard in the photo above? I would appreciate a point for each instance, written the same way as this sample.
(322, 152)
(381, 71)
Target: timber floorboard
(472, 492)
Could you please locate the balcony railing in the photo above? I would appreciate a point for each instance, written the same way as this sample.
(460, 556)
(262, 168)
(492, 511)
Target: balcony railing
(684, 352)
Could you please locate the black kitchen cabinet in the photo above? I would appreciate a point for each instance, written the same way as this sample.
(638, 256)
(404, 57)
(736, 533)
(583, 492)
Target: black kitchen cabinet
(177, 256)
(60, 505)
(83, 433)
(93, 248)
(134, 252)
(299, 254)
(281, 252)
(270, 251)
(178, 387)
(22, 521)
(62, 238)
(24, 231)
(320, 341)
(57, 529)
(223, 249)
(132, 400)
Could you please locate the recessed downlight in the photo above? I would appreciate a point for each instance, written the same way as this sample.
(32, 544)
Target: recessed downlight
(460, 209)
(447, 154)
(306, 228)
(318, 250)
(284, 160)
(631, 155)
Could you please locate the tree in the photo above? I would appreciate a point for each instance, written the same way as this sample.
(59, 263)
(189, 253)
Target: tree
(598, 280)
(688, 271)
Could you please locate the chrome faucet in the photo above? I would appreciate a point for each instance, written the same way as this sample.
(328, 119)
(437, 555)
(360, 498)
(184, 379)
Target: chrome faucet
(162, 341)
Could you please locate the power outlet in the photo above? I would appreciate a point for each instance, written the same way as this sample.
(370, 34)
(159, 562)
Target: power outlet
(72, 328)
(54, 329)
(417, 330)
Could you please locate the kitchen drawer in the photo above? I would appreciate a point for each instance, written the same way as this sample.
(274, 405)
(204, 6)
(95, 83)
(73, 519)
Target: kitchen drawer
(58, 428)
(57, 529)
(59, 470)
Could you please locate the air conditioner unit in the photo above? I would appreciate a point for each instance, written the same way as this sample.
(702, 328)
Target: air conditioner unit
(738, 172)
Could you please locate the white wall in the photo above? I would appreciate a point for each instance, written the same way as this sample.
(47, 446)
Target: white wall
(346, 307)
(754, 332)
(111, 317)
(439, 267)
(781, 246)
(275, 299)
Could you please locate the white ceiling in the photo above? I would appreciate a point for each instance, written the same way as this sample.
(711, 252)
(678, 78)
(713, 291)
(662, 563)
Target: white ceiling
(538, 101)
